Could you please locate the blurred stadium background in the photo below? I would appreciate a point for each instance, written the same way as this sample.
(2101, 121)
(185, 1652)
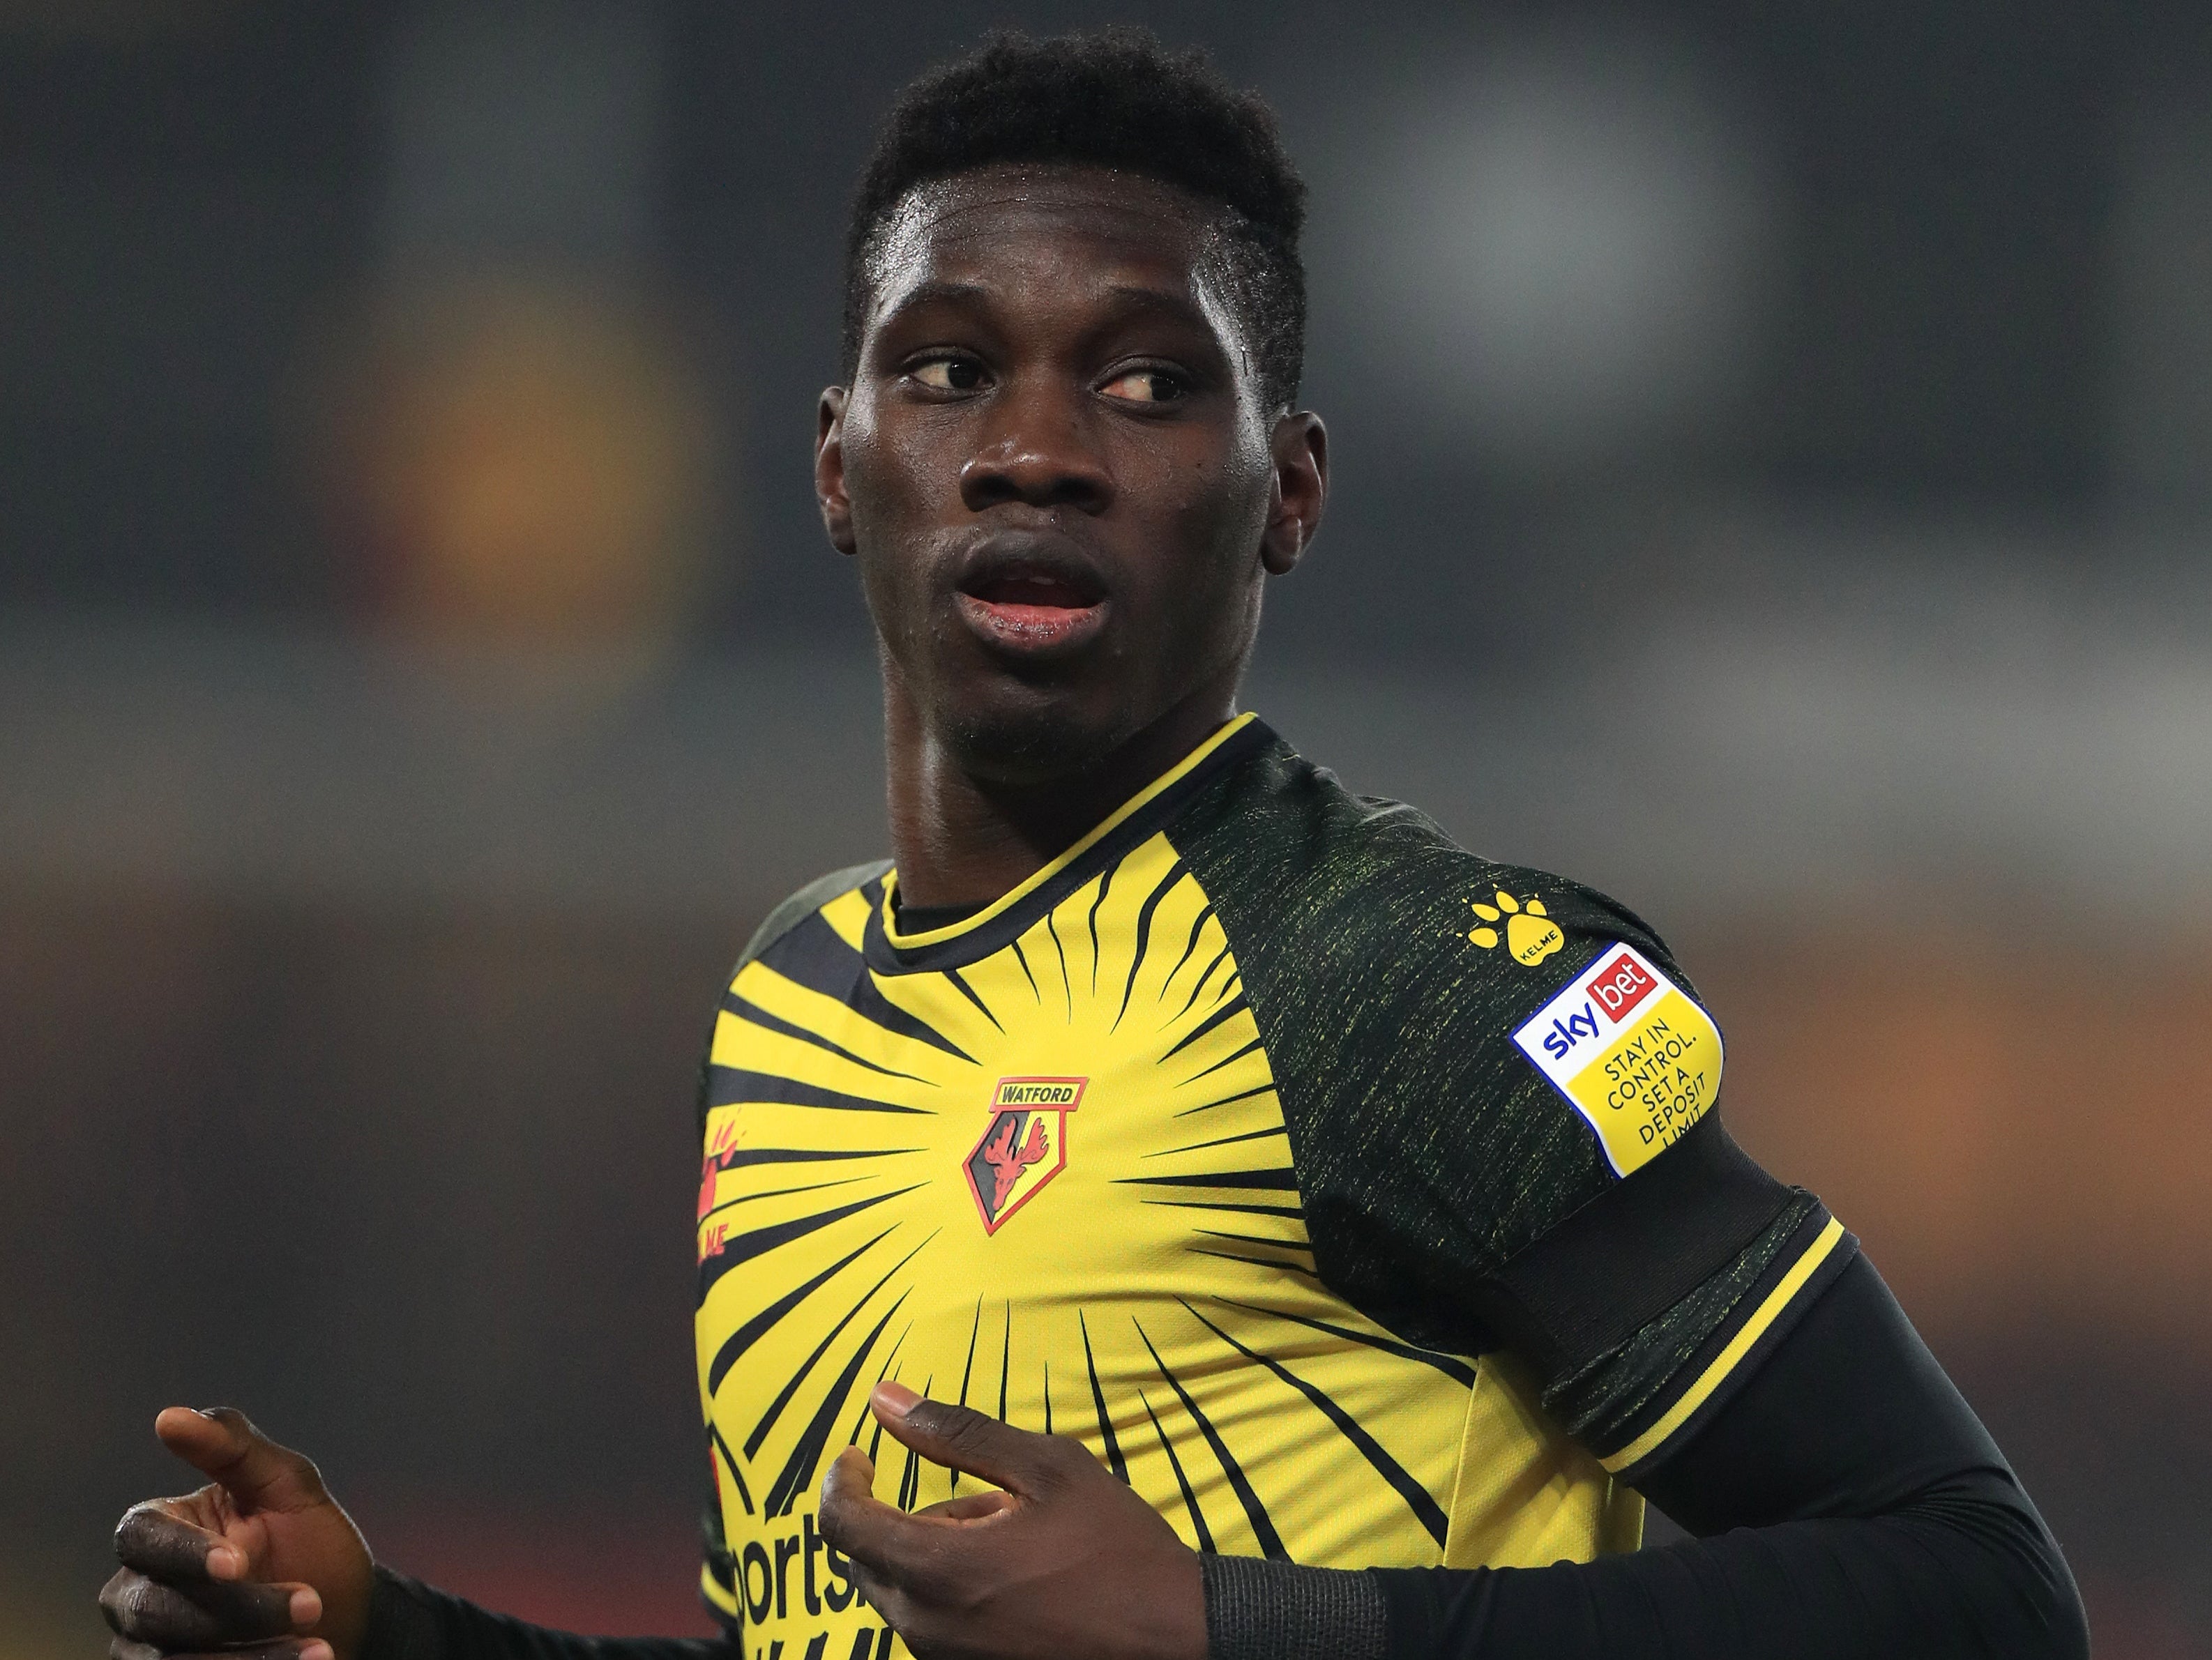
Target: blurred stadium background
(1774, 455)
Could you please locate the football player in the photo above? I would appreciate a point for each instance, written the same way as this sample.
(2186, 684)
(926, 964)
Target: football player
(1301, 1236)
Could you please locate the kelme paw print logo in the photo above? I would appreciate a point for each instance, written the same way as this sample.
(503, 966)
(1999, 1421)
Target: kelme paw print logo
(1530, 935)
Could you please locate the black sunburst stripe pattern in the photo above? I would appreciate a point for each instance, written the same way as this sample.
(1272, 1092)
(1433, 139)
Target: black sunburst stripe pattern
(799, 1469)
(760, 1431)
(797, 1476)
(1299, 1245)
(967, 1370)
(730, 1462)
(1263, 1181)
(1115, 1461)
(1021, 957)
(1228, 1009)
(909, 1486)
(726, 1205)
(739, 1249)
(735, 1345)
(1232, 1194)
(815, 956)
(861, 1417)
(835, 967)
(1267, 1089)
(1182, 1481)
(1190, 946)
(1417, 1497)
(754, 1014)
(1205, 975)
(1256, 1513)
(1450, 1364)
(1176, 873)
(1105, 887)
(733, 1085)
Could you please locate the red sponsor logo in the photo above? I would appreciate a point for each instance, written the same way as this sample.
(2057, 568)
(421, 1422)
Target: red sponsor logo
(1619, 986)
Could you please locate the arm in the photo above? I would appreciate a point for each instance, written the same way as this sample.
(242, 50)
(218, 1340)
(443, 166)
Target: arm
(410, 1620)
(263, 1563)
(1847, 1503)
(1850, 1504)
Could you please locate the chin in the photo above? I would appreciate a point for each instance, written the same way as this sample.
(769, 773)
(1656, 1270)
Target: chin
(1029, 741)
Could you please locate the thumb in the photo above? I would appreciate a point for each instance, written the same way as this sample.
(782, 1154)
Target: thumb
(1018, 1460)
(221, 1443)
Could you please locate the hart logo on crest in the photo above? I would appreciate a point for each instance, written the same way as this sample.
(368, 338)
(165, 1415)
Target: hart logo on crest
(1024, 1147)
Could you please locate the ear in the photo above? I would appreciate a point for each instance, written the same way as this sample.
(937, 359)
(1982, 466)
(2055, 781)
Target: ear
(1298, 449)
(829, 469)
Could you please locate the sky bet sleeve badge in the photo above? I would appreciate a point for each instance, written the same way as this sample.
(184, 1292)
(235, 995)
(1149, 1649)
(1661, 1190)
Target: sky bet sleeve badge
(1626, 1046)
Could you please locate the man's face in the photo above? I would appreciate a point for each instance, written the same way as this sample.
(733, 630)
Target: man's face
(1054, 468)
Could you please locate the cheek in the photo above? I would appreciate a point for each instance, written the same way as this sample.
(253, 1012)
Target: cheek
(1219, 508)
(893, 469)
(1207, 523)
(881, 492)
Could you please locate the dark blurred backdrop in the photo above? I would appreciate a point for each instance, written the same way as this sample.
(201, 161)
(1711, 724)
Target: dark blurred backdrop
(1774, 474)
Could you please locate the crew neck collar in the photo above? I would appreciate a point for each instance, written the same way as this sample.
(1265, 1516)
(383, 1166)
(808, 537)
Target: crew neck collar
(965, 938)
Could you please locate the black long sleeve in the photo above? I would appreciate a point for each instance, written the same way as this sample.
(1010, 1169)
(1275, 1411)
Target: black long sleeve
(410, 1620)
(1848, 1504)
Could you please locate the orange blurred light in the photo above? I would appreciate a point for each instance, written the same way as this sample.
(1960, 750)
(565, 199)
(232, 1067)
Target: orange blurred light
(524, 461)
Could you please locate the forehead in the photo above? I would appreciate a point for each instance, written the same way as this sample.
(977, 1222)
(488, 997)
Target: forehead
(1006, 227)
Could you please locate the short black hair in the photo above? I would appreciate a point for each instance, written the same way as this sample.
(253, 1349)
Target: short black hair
(1116, 99)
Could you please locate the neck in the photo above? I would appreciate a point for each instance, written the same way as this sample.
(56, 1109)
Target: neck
(961, 839)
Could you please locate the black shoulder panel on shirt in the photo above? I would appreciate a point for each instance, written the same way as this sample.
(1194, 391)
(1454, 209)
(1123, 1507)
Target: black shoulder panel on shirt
(1451, 1191)
(804, 903)
(780, 922)
(1430, 1152)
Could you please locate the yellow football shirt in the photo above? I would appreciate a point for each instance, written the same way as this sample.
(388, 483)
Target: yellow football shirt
(1306, 1167)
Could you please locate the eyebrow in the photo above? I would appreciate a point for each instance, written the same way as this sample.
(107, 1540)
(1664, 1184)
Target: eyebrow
(1133, 299)
(1130, 298)
(933, 289)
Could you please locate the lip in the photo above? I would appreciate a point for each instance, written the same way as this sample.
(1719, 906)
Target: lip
(1031, 594)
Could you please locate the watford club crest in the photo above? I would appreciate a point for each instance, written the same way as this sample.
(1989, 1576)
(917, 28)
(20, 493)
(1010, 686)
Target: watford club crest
(1025, 1146)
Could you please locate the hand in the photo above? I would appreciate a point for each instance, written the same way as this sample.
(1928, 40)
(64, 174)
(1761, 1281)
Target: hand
(260, 1563)
(1065, 1564)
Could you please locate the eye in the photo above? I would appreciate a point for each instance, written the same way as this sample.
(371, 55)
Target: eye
(1147, 386)
(951, 372)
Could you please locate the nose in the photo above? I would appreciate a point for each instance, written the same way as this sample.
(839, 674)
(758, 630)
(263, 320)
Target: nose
(1038, 449)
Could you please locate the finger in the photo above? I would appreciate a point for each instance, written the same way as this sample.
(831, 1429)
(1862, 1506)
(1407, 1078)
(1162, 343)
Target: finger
(222, 1443)
(965, 1439)
(162, 1545)
(892, 1606)
(873, 1533)
(290, 1648)
(890, 1600)
(207, 1616)
(969, 1507)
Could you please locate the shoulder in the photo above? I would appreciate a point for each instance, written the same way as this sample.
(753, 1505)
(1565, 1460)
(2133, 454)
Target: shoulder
(1404, 986)
(781, 924)
(822, 890)
(1355, 885)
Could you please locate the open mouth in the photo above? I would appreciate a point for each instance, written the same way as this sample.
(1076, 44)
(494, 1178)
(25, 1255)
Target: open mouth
(1031, 604)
